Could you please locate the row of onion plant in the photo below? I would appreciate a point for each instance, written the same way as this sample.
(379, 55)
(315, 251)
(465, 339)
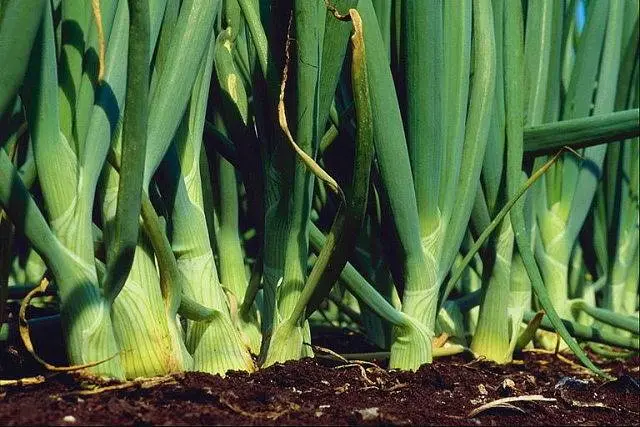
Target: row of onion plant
(204, 182)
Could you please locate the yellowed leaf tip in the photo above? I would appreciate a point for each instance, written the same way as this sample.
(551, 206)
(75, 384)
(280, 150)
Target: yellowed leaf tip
(97, 16)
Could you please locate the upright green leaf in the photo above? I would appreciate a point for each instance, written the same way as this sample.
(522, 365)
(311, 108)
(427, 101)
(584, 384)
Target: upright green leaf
(19, 24)
(134, 138)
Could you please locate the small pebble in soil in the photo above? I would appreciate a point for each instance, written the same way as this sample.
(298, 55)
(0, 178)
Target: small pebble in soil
(507, 388)
(369, 414)
(571, 383)
(69, 419)
(482, 389)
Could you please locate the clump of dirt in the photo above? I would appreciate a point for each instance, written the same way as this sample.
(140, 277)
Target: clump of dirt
(320, 391)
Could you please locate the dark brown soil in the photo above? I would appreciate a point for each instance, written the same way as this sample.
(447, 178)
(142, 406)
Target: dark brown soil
(326, 392)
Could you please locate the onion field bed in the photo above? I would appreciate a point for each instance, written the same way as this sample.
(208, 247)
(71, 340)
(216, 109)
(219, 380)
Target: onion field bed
(537, 388)
(319, 212)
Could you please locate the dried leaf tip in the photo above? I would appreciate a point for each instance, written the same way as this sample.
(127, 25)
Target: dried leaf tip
(97, 16)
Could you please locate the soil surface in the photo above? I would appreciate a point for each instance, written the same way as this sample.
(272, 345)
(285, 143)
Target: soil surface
(327, 391)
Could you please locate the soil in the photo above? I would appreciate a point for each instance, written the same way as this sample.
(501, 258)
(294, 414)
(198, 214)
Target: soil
(327, 391)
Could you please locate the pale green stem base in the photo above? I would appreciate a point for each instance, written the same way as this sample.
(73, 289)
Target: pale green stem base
(152, 346)
(411, 346)
(492, 338)
(88, 330)
(216, 344)
(149, 337)
(556, 276)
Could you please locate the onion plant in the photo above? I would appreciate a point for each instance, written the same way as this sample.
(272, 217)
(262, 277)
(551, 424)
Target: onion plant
(196, 176)
(564, 200)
